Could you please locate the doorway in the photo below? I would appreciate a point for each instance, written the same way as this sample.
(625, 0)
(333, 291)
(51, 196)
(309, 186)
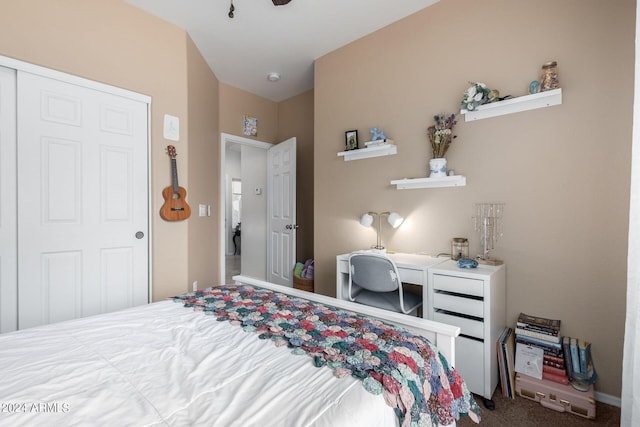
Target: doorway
(247, 162)
(244, 160)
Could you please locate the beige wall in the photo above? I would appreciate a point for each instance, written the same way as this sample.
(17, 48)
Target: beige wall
(235, 103)
(295, 118)
(115, 43)
(204, 175)
(563, 171)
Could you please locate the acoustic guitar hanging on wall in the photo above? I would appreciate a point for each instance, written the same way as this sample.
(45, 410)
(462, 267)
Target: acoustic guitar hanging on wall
(175, 206)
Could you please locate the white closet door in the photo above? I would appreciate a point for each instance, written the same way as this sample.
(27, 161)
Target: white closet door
(82, 198)
(8, 235)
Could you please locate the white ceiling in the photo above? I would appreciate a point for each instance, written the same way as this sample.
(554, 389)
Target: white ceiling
(263, 38)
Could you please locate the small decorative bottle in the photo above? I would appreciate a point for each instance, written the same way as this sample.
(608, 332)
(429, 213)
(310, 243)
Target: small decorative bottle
(549, 76)
(459, 248)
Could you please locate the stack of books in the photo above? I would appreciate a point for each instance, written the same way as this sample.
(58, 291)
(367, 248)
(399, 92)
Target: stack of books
(543, 335)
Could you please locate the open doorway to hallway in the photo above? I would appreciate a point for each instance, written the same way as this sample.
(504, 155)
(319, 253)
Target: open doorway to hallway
(233, 259)
(255, 160)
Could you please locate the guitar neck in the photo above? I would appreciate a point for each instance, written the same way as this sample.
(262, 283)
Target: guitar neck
(174, 176)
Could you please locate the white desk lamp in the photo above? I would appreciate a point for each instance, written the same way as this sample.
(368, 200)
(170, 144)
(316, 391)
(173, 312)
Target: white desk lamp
(393, 218)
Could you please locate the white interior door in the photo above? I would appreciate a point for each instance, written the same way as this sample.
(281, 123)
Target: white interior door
(8, 233)
(281, 253)
(82, 201)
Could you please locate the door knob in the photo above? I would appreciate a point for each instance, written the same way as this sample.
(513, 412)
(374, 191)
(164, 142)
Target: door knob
(139, 235)
(292, 226)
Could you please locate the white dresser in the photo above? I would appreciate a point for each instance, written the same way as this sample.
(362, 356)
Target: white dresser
(474, 300)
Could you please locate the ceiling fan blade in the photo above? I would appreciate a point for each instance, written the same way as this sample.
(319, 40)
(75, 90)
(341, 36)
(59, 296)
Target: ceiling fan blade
(280, 2)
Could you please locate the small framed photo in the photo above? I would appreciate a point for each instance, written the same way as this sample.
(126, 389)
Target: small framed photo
(249, 125)
(351, 140)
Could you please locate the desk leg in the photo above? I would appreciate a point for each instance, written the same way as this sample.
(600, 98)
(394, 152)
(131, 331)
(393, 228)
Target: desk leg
(342, 283)
(425, 300)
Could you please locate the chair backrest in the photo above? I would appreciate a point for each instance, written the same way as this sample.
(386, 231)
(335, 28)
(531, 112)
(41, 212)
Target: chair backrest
(374, 272)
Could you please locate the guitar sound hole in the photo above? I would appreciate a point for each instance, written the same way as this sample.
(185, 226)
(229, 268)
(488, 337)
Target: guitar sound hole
(176, 196)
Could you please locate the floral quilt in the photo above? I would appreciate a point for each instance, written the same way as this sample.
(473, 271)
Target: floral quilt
(407, 369)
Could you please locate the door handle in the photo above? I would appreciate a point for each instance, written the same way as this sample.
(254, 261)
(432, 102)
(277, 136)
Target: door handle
(139, 235)
(292, 226)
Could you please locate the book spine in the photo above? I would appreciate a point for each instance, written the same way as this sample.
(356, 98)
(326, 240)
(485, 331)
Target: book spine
(553, 370)
(584, 348)
(554, 359)
(575, 358)
(538, 335)
(591, 370)
(502, 365)
(540, 321)
(509, 347)
(562, 379)
(536, 340)
(552, 364)
(566, 346)
(503, 374)
(536, 328)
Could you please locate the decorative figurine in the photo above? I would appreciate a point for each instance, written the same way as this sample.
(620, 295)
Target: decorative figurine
(377, 135)
(534, 87)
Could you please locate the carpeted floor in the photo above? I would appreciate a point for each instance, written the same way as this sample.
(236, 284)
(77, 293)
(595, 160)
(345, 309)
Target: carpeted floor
(521, 412)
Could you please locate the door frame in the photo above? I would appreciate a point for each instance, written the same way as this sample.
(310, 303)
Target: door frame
(224, 139)
(113, 90)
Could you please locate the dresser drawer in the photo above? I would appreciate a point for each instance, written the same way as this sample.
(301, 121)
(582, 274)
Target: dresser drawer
(458, 304)
(470, 327)
(460, 285)
(470, 364)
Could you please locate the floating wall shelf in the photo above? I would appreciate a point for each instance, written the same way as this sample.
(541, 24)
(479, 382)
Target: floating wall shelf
(445, 181)
(368, 152)
(515, 105)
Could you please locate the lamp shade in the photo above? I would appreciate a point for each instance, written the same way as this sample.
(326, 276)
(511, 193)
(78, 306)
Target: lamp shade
(366, 220)
(395, 219)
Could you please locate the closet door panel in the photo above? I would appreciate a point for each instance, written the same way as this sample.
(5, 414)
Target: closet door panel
(8, 232)
(82, 197)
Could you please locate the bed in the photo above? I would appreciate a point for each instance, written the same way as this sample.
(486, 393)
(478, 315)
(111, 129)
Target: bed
(206, 359)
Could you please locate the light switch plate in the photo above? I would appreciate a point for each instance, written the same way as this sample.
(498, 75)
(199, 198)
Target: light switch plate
(202, 210)
(171, 128)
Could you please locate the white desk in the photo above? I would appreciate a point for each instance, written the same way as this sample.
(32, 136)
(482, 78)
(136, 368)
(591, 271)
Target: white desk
(472, 299)
(413, 268)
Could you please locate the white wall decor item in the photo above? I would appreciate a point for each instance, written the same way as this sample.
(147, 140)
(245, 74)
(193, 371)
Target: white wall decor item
(171, 128)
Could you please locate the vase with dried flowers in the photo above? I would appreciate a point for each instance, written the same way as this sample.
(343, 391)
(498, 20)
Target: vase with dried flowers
(440, 136)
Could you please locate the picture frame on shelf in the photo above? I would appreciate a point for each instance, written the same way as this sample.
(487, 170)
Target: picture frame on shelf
(351, 140)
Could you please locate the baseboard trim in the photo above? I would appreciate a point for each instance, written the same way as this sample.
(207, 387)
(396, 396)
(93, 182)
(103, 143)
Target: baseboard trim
(608, 399)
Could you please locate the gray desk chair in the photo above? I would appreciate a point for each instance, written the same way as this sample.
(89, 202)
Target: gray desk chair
(374, 281)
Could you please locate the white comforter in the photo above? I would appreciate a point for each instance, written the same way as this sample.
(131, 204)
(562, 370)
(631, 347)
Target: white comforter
(162, 364)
